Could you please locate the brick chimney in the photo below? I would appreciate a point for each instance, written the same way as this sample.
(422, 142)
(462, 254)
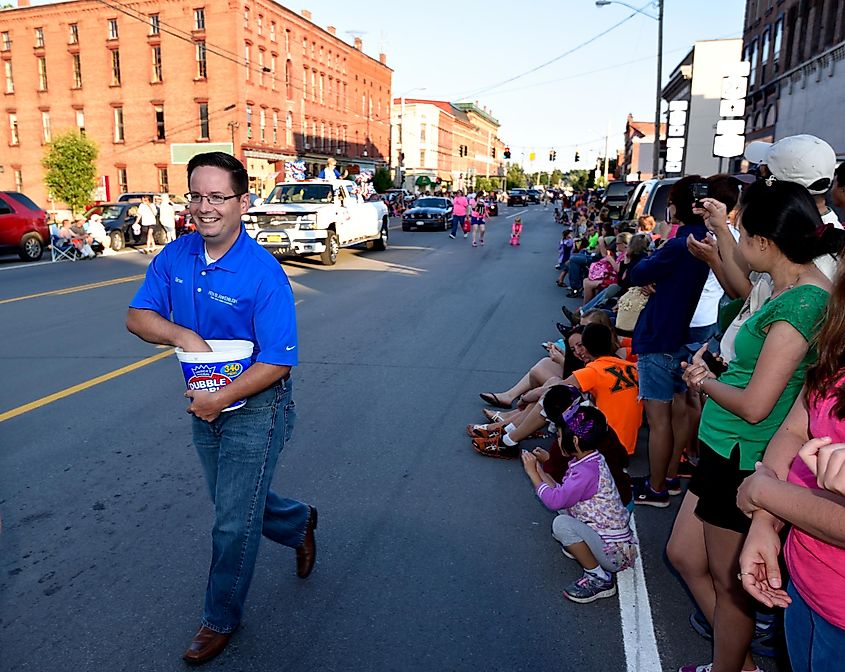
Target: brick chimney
(23, 3)
(382, 58)
(359, 45)
(331, 30)
(307, 14)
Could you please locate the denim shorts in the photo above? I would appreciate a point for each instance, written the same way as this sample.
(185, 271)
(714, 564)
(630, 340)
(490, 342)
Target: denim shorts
(660, 375)
(476, 221)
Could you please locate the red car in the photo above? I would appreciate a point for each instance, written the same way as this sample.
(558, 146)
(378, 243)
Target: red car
(23, 226)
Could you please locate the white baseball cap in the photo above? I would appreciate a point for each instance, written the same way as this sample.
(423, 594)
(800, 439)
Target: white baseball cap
(803, 159)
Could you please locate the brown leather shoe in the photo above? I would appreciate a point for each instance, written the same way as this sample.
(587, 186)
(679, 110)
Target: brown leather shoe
(206, 645)
(307, 553)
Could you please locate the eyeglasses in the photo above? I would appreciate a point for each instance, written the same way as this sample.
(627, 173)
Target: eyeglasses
(213, 199)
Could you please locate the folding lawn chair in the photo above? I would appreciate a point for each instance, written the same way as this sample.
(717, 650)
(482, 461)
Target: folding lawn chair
(61, 249)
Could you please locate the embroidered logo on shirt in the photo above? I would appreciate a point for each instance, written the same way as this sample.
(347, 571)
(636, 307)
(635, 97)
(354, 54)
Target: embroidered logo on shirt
(289, 347)
(222, 298)
(177, 280)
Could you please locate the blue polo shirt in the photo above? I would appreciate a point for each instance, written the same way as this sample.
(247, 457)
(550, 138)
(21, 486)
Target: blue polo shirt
(244, 295)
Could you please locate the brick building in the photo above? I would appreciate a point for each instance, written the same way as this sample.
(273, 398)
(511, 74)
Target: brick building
(796, 50)
(637, 163)
(455, 143)
(152, 81)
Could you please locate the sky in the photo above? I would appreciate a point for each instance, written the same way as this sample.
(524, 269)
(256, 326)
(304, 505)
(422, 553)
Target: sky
(456, 50)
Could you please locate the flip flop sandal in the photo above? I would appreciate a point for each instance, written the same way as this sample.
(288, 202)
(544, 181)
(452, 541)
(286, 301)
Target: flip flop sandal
(482, 431)
(492, 416)
(490, 448)
(493, 400)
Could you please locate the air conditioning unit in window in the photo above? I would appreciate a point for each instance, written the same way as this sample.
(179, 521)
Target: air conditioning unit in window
(337, 151)
(307, 145)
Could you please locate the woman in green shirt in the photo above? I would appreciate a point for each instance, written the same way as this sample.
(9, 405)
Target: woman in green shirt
(781, 234)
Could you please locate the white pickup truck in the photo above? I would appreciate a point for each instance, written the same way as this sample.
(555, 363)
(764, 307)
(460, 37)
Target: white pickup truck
(317, 217)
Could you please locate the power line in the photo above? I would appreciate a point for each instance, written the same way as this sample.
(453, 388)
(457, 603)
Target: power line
(555, 59)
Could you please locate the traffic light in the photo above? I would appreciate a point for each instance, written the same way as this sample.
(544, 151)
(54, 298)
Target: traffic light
(507, 152)
(551, 156)
(577, 156)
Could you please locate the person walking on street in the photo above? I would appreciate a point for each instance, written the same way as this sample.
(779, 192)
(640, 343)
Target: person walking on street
(460, 204)
(167, 217)
(218, 283)
(478, 213)
(147, 219)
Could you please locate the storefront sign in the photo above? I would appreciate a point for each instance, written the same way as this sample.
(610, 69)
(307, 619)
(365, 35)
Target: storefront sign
(676, 136)
(730, 129)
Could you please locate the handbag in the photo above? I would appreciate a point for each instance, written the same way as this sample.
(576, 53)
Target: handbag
(628, 309)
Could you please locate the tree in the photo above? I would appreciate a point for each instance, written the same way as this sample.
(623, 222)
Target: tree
(381, 180)
(516, 176)
(71, 169)
(577, 179)
(557, 176)
(483, 184)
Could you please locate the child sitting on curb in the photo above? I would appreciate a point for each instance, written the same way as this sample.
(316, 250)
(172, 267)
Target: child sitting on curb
(593, 526)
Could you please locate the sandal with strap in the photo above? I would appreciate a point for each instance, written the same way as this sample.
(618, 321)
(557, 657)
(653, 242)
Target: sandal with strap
(490, 447)
(493, 400)
(483, 431)
(493, 416)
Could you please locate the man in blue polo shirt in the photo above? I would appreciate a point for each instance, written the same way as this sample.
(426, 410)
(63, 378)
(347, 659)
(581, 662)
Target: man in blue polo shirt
(219, 283)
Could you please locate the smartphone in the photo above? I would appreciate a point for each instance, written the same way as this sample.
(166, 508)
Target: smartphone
(700, 190)
(715, 365)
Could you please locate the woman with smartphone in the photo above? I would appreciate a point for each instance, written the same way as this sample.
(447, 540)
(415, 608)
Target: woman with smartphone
(780, 234)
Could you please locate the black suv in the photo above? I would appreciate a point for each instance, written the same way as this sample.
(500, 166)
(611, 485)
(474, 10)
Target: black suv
(119, 222)
(517, 197)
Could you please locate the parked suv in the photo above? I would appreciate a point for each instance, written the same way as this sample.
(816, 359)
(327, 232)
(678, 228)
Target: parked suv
(517, 196)
(616, 195)
(649, 198)
(23, 226)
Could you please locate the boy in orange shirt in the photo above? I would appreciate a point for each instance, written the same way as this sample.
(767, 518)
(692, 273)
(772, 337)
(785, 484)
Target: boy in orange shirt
(612, 383)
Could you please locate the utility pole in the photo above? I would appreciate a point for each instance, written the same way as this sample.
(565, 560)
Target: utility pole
(655, 162)
(606, 159)
(233, 126)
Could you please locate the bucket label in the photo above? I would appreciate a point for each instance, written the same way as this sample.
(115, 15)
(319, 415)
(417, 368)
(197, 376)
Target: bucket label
(212, 377)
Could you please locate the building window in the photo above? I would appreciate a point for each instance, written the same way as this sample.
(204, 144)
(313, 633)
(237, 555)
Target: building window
(42, 73)
(10, 82)
(246, 18)
(203, 113)
(202, 71)
(246, 60)
(80, 121)
(122, 182)
(5, 41)
(272, 31)
(329, 95)
(323, 136)
(764, 49)
(13, 129)
(73, 34)
(422, 158)
(752, 50)
(304, 84)
(314, 134)
(39, 37)
(18, 179)
(115, 67)
(422, 132)
(113, 29)
(288, 82)
(260, 67)
(159, 115)
(155, 24)
(77, 71)
(199, 18)
(287, 41)
(46, 133)
(262, 124)
(249, 121)
(778, 40)
(313, 85)
(163, 182)
(275, 128)
(118, 124)
(273, 71)
(322, 86)
(259, 24)
(304, 47)
(156, 54)
(289, 129)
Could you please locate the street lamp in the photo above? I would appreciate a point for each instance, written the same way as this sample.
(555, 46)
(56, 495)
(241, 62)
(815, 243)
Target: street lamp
(655, 161)
(402, 134)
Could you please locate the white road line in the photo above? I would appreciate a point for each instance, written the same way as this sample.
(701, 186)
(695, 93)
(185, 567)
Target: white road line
(516, 213)
(641, 652)
(35, 264)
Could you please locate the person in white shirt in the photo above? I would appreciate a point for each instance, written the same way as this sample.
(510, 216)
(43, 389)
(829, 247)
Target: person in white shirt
(167, 217)
(147, 219)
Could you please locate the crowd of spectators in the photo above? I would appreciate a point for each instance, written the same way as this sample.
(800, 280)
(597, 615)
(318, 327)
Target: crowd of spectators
(714, 342)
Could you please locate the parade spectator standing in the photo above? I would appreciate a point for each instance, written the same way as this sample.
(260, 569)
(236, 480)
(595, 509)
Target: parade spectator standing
(837, 194)
(659, 338)
(167, 217)
(778, 224)
(460, 204)
(198, 279)
(147, 220)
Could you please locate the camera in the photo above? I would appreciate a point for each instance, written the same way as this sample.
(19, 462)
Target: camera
(700, 190)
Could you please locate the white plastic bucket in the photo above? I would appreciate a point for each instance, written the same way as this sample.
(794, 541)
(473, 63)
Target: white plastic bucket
(210, 371)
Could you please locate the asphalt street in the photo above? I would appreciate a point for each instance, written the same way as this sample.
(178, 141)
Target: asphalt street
(430, 557)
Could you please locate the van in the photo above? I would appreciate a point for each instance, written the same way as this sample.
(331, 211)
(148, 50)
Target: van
(650, 197)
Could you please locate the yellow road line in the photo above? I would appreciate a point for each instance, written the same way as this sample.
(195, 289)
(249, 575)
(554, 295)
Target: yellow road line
(50, 398)
(78, 288)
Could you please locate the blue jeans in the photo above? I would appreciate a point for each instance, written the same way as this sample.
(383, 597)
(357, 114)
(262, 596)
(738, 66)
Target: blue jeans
(660, 375)
(238, 453)
(698, 336)
(457, 220)
(579, 264)
(604, 295)
(814, 644)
